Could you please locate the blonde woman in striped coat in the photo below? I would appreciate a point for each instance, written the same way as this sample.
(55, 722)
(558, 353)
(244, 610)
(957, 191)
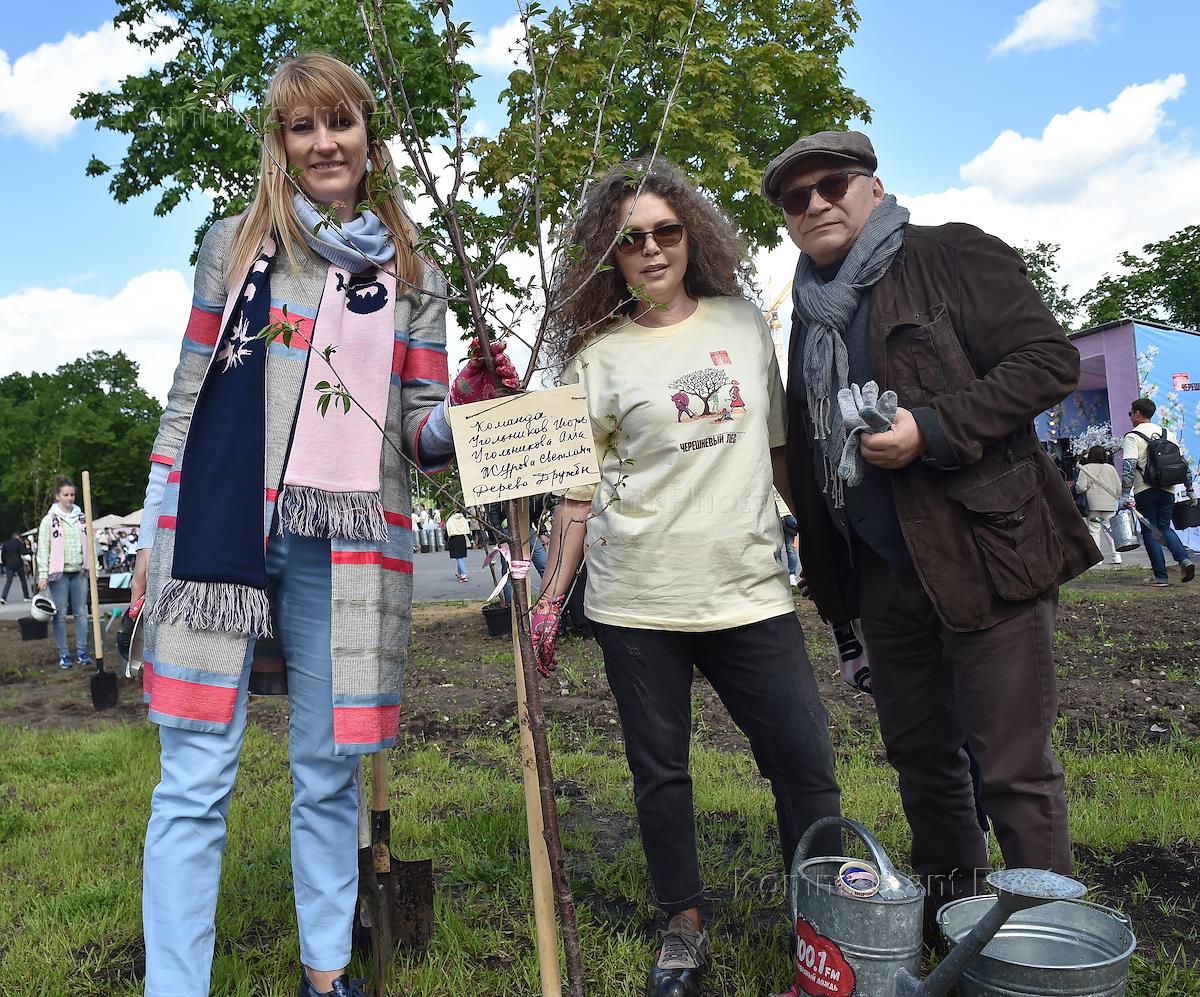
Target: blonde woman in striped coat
(278, 538)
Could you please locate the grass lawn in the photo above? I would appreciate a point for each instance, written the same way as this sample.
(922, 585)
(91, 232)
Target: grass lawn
(73, 807)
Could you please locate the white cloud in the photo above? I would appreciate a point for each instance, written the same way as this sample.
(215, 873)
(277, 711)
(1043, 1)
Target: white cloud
(42, 328)
(38, 90)
(1075, 144)
(1097, 182)
(503, 50)
(1052, 24)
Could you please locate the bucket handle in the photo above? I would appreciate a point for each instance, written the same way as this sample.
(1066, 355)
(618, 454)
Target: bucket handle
(889, 881)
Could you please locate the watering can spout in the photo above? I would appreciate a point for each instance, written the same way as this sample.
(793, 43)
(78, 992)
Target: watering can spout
(1017, 889)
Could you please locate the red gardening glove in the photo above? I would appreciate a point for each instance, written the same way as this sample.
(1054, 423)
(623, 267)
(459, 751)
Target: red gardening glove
(544, 632)
(473, 384)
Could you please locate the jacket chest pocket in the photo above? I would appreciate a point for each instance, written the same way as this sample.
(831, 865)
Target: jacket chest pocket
(925, 358)
(1013, 530)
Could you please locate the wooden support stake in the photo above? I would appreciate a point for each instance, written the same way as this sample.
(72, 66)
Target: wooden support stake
(539, 859)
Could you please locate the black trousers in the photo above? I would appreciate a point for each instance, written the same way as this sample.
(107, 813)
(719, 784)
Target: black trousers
(11, 572)
(763, 676)
(936, 689)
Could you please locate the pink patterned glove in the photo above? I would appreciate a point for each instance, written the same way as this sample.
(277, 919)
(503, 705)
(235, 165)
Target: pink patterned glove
(544, 632)
(473, 384)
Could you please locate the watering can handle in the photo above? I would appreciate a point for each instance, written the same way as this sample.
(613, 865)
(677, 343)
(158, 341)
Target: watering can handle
(887, 872)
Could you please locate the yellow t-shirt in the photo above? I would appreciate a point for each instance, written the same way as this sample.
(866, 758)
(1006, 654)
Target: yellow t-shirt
(684, 418)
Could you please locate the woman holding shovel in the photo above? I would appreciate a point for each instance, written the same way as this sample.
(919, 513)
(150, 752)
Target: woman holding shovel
(62, 568)
(681, 570)
(279, 535)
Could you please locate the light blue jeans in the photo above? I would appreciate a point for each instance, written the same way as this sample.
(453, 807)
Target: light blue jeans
(70, 586)
(186, 835)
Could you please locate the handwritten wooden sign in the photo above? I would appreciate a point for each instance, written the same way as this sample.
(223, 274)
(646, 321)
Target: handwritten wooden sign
(526, 444)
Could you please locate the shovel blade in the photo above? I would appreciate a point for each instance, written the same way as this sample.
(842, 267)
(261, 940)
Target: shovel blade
(414, 902)
(411, 889)
(104, 688)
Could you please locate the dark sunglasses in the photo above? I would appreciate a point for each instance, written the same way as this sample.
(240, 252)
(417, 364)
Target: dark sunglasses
(665, 236)
(831, 188)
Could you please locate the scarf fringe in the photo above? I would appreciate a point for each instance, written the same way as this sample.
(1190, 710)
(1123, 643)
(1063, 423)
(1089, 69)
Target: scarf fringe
(314, 512)
(217, 606)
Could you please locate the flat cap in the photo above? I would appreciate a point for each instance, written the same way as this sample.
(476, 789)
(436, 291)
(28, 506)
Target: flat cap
(853, 146)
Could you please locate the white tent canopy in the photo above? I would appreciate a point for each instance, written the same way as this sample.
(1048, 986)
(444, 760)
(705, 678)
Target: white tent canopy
(133, 519)
(109, 521)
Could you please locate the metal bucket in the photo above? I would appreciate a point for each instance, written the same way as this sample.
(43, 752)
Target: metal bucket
(851, 945)
(1069, 948)
(1123, 528)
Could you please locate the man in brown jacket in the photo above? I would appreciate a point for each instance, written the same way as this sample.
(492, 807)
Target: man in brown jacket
(949, 533)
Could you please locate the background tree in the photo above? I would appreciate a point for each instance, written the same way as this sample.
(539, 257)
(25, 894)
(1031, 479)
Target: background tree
(1132, 294)
(1041, 264)
(88, 414)
(760, 74)
(178, 146)
(1163, 283)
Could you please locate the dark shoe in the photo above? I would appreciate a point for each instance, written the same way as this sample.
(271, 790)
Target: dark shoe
(83, 658)
(64, 661)
(1189, 570)
(678, 969)
(343, 986)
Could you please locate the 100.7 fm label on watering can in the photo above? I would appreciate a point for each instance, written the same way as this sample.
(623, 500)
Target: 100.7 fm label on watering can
(821, 969)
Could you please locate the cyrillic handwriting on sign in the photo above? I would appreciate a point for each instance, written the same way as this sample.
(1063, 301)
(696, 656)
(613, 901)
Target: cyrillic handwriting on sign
(524, 444)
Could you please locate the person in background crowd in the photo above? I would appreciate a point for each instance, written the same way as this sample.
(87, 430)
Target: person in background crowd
(1155, 503)
(787, 523)
(1099, 482)
(13, 555)
(948, 532)
(61, 568)
(682, 572)
(436, 524)
(128, 547)
(457, 529)
(541, 513)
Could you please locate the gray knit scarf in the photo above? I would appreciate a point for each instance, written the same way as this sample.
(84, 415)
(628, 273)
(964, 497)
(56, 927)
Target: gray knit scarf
(827, 310)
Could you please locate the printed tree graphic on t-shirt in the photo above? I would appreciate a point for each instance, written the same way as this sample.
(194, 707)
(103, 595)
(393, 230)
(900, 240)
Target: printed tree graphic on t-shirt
(704, 384)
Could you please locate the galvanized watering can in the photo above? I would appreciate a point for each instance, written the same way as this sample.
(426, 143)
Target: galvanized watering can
(1123, 528)
(870, 946)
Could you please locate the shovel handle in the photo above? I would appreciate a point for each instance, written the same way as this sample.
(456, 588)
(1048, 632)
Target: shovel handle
(90, 563)
(379, 781)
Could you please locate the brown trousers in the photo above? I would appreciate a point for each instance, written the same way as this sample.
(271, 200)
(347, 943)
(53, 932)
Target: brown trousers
(994, 689)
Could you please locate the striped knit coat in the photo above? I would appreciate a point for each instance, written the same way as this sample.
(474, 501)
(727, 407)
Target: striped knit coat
(191, 676)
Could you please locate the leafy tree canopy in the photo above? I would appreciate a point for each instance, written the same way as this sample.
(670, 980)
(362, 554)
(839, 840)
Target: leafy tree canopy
(178, 146)
(1041, 264)
(90, 415)
(1165, 282)
(759, 74)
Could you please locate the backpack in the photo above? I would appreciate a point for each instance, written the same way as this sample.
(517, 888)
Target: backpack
(1165, 466)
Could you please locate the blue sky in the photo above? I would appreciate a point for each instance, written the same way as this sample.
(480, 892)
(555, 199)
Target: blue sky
(1083, 131)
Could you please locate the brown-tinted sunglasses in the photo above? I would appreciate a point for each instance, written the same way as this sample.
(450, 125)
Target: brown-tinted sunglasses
(665, 236)
(831, 187)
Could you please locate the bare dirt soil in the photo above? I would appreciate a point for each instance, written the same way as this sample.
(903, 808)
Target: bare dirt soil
(1127, 657)
(1128, 662)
